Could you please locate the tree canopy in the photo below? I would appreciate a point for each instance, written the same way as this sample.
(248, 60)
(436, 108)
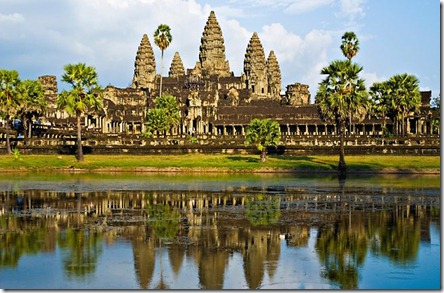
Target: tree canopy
(164, 115)
(263, 133)
(84, 97)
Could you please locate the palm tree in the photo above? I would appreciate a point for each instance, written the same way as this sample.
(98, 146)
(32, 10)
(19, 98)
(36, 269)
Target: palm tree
(349, 48)
(32, 103)
(9, 99)
(162, 39)
(85, 96)
(263, 133)
(405, 98)
(349, 45)
(341, 94)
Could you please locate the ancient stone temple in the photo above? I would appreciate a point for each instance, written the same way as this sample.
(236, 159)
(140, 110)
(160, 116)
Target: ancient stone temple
(213, 101)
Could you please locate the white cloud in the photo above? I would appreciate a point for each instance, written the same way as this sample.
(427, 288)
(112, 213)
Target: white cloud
(371, 77)
(14, 18)
(352, 8)
(301, 58)
(303, 6)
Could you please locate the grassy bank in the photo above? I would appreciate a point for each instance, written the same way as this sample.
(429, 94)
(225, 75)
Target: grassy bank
(220, 163)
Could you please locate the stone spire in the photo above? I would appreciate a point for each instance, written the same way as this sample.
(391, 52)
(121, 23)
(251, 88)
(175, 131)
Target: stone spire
(255, 67)
(273, 75)
(212, 49)
(144, 66)
(176, 68)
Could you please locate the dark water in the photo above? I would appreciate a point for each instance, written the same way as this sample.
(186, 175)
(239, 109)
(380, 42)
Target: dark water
(132, 231)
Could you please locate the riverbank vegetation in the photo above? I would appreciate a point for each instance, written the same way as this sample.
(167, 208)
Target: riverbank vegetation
(220, 163)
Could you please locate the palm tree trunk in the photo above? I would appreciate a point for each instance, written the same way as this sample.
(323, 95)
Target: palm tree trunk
(8, 141)
(25, 129)
(342, 167)
(79, 154)
(264, 155)
(161, 73)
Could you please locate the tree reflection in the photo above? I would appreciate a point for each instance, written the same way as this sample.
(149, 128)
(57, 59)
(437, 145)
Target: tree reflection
(342, 250)
(82, 251)
(262, 211)
(398, 236)
(21, 238)
(165, 222)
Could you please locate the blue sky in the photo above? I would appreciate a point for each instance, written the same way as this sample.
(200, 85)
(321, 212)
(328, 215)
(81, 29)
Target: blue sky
(396, 36)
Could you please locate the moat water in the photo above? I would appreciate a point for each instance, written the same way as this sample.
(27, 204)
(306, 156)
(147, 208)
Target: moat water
(175, 231)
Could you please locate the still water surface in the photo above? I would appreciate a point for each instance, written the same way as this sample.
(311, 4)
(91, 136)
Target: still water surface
(133, 231)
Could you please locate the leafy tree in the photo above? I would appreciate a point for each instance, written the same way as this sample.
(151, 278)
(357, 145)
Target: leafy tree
(162, 39)
(263, 133)
(341, 94)
(164, 115)
(85, 96)
(9, 99)
(405, 97)
(32, 103)
(349, 45)
(380, 94)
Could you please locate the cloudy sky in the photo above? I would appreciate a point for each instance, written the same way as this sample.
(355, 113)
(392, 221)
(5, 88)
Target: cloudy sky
(396, 36)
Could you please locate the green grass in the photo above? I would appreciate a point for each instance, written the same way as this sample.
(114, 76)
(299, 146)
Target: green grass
(246, 163)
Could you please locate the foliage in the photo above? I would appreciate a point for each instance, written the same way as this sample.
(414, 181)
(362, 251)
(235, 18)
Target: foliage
(396, 98)
(263, 133)
(84, 97)
(349, 45)
(342, 95)
(9, 99)
(163, 116)
(32, 102)
(162, 39)
(16, 153)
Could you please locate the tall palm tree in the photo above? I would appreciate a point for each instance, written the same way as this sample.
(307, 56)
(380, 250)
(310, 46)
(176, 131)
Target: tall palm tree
(162, 39)
(263, 133)
(84, 97)
(349, 45)
(341, 94)
(9, 99)
(32, 103)
(405, 98)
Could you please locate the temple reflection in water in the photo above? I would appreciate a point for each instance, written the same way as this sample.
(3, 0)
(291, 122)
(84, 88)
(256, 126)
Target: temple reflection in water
(167, 229)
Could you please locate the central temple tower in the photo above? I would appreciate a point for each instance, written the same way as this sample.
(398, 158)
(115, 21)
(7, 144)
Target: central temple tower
(212, 50)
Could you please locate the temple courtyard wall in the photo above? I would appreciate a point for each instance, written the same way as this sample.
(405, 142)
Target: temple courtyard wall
(291, 145)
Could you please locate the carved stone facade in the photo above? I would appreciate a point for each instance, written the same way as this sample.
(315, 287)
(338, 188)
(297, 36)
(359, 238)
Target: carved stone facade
(144, 66)
(212, 100)
(212, 50)
(176, 69)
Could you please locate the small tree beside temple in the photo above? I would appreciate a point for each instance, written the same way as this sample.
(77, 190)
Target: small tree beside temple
(263, 133)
